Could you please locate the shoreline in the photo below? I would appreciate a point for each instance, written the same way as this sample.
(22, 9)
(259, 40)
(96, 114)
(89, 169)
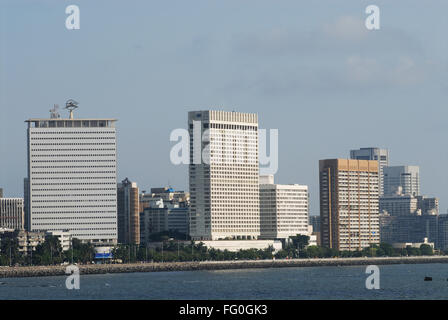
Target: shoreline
(42, 271)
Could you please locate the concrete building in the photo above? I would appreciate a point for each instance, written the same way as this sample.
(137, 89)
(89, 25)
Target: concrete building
(315, 222)
(399, 204)
(28, 241)
(161, 216)
(11, 213)
(64, 237)
(377, 154)
(72, 183)
(406, 178)
(349, 212)
(283, 210)
(409, 228)
(223, 174)
(128, 212)
(428, 205)
(167, 194)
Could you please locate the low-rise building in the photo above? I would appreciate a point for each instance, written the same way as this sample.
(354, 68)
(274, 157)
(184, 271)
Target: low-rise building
(64, 237)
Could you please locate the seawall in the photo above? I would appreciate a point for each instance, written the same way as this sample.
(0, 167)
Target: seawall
(41, 271)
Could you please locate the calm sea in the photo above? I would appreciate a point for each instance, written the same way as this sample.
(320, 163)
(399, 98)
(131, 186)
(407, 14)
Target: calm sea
(396, 282)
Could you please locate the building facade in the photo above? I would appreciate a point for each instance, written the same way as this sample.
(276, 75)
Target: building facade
(223, 175)
(404, 178)
(161, 216)
(377, 154)
(128, 212)
(349, 211)
(11, 213)
(283, 211)
(72, 183)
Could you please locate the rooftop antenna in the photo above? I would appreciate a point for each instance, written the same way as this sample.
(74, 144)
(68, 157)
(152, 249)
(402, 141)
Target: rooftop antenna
(54, 114)
(71, 105)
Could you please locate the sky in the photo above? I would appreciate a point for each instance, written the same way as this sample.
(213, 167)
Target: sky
(310, 69)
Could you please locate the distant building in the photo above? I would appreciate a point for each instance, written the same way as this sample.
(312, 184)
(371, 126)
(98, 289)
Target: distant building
(283, 210)
(11, 213)
(315, 222)
(64, 237)
(442, 236)
(128, 212)
(409, 228)
(399, 204)
(72, 177)
(28, 241)
(428, 205)
(377, 154)
(162, 216)
(406, 178)
(1, 192)
(167, 194)
(349, 212)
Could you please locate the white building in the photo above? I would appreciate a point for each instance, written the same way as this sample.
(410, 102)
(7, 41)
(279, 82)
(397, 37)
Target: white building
(224, 189)
(72, 180)
(283, 210)
(405, 177)
(11, 213)
(377, 154)
(64, 237)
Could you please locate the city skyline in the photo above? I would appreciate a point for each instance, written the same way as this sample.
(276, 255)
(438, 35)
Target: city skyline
(150, 70)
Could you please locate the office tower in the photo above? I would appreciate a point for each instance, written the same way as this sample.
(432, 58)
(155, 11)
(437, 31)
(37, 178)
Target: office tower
(128, 212)
(377, 154)
(404, 179)
(348, 203)
(11, 213)
(71, 183)
(283, 210)
(224, 190)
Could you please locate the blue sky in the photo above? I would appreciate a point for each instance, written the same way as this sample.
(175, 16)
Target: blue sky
(308, 68)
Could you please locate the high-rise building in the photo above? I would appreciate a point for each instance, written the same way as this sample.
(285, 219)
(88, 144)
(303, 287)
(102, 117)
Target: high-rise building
(348, 203)
(128, 212)
(377, 154)
(223, 172)
(404, 179)
(72, 183)
(11, 213)
(283, 210)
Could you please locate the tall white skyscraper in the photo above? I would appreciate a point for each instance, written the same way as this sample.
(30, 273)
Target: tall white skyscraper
(377, 154)
(283, 210)
(402, 179)
(72, 177)
(224, 171)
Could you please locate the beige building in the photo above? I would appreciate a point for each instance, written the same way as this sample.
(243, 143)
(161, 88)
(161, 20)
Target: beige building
(349, 207)
(223, 172)
(283, 210)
